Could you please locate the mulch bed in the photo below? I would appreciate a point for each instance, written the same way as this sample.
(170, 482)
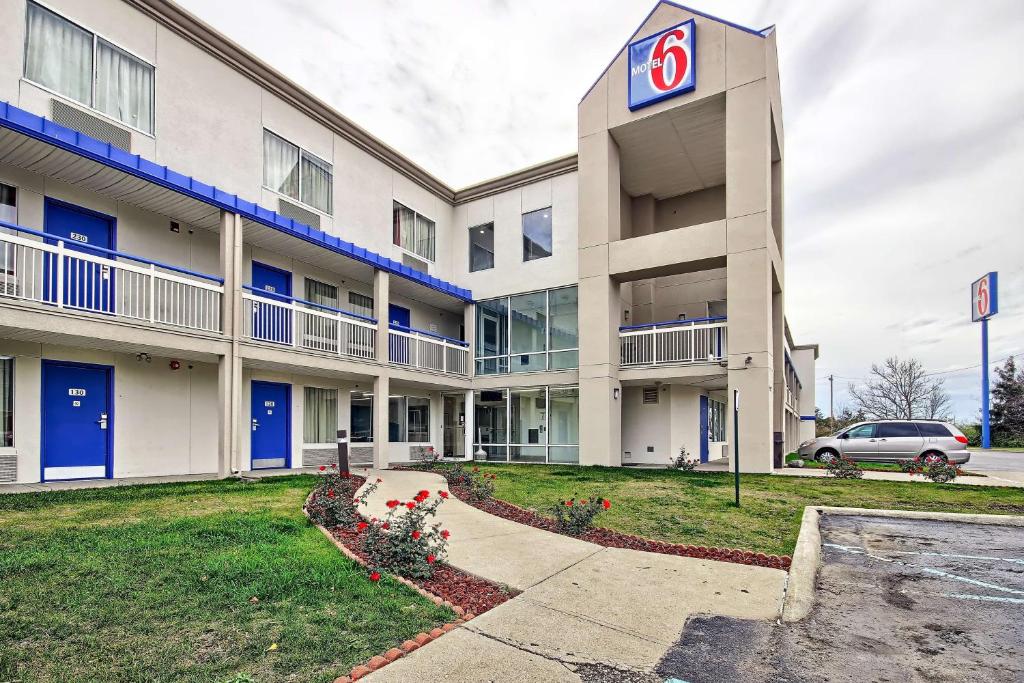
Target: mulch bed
(616, 539)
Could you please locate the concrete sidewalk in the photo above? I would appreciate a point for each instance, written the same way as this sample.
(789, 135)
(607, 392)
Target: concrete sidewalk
(1012, 479)
(583, 606)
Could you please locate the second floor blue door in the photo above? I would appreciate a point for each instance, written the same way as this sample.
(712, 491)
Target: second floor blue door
(272, 319)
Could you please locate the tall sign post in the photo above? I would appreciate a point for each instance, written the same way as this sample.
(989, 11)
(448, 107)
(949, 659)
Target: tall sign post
(984, 305)
(736, 440)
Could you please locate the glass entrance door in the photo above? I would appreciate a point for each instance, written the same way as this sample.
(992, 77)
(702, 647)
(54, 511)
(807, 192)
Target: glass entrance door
(454, 407)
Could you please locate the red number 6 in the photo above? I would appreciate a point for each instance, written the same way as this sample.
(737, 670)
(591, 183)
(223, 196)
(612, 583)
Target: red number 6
(661, 53)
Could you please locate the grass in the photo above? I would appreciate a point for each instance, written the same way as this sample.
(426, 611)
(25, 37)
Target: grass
(867, 466)
(155, 583)
(697, 507)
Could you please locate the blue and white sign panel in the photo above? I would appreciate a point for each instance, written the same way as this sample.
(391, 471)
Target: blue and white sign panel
(662, 66)
(985, 297)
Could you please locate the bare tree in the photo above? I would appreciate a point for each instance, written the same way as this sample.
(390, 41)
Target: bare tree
(900, 390)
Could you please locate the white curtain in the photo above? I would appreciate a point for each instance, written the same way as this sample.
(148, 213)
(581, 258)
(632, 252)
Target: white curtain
(424, 238)
(320, 415)
(280, 165)
(404, 226)
(58, 55)
(124, 87)
(316, 183)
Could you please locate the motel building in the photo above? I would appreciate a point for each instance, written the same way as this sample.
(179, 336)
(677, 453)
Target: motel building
(207, 270)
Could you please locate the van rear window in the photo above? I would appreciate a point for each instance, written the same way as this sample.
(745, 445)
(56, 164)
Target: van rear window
(933, 429)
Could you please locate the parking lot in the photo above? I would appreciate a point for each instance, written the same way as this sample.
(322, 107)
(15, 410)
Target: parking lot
(896, 600)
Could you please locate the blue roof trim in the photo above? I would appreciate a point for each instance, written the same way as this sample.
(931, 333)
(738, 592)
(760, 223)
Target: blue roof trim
(808, 418)
(47, 131)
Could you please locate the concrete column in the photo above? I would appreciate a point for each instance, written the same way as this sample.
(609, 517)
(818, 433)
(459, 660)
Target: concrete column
(381, 297)
(780, 372)
(469, 325)
(470, 424)
(229, 367)
(381, 393)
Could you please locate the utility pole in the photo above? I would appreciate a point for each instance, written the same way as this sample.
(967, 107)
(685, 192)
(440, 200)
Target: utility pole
(831, 401)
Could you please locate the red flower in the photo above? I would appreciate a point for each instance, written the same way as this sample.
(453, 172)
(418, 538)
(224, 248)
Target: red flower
(393, 504)
(568, 503)
(322, 468)
(375, 576)
(415, 535)
(443, 494)
(334, 466)
(361, 526)
(346, 475)
(445, 534)
(430, 559)
(410, 505)
(330, 493)
(379, 480)
(606, 503)
(424, 494)
(385, 526)
(583, 502)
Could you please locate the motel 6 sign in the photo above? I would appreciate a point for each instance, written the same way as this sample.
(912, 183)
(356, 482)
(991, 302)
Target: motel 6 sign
(984, 297)
(662, 66)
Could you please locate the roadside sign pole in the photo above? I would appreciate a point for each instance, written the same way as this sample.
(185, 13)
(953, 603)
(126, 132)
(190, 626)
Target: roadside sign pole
(985, 304)
(985, 434)
(736, 440)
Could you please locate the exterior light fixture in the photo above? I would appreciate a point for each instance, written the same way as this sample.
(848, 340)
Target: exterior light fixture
(615, 393)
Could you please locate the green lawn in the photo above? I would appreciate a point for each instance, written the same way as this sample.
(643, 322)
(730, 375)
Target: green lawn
(697, 507)
(155, 583)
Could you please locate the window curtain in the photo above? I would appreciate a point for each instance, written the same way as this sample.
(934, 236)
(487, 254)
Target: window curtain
(404, 226)
(361, 304)
(424, 238)
(280, 165)
(321, 293)
(58, 55)
(6, 402)
(124, 87)
(316, 183)
(320, 415)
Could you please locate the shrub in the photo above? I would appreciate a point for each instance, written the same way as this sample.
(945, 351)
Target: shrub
(573, 516)
(458, 476)
(404, 543)
(334, 501)
(933, 469)
(844, 468)
(430, 458)
(683, 461)
(481, 485)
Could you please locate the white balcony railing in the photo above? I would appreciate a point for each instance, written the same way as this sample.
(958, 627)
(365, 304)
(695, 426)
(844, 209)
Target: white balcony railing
(427, 351)
(700, 340)
(305, 325)
(96, 280)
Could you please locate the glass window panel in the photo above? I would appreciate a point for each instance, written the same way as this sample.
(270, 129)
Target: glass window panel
(396, 419)
(424, 243)
(564, 319)
(527, 453)
(321, 293)
(492, 328)
(8, 203)
(361, 304)
(320, 415)
(529, 322)
(490, 453)
(280, 165)
(564, 421)
(528, 362)
(529, 413)
(564, 454)
(481, 247)
(491, 417)
(716, 420)
(7, 402)
(403, 225)
(419, 419)
(58, 55)
(361, 418)
(537, 234)
(492, 366)
(124, 87)
(317, 181)
(564, 360)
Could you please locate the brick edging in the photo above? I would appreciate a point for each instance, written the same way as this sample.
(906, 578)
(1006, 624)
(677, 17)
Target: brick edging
(419, 640)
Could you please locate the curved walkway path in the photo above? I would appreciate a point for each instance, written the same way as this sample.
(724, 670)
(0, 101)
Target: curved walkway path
(585, 609)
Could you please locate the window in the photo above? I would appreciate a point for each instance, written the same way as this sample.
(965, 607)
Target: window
(361, 304)
(396, 419)
(77, 64)
(895, 430)
(361, 417)
(320, 415)
(862, 432)
(537, 234)
(412, 231)
(481, 247)
(296, 173)
(419, 419)
(933, 429)
(716, 420)
(6, 402)
(321, 293)
(8, 203)
(528, 332)
(536, 424)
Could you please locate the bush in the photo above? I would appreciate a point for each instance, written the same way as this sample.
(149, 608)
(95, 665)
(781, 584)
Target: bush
(683, 461)
(403, 542)
(481, 485)
(973, 434)
(334, 501)
(574, 517)
(844, 468)
(430, 458)
(458, 476)
(933, 469)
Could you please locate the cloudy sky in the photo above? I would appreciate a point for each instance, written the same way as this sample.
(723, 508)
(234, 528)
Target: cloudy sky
(904, 139)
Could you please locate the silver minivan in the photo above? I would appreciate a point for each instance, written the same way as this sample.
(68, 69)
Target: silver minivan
(891, 441)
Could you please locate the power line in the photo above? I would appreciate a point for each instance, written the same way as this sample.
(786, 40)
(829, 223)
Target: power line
(972, 367)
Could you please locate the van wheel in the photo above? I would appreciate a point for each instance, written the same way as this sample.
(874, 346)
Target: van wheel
(934, 458)
(826, 455)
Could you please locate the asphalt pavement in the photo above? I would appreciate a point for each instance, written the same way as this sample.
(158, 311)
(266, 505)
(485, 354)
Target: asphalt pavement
(995, 461)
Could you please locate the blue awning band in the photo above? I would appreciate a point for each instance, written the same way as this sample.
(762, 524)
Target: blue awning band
(79, 143)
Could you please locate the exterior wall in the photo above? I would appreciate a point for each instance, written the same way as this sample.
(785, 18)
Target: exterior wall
(667, 426)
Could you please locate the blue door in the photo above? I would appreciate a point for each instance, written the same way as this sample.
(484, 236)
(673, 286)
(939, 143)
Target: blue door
(705, 428)
(271, 425)
(272, 321)
(399, 346)
(87, 285)
(77, 421)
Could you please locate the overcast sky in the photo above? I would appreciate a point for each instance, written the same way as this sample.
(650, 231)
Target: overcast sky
(904, 130)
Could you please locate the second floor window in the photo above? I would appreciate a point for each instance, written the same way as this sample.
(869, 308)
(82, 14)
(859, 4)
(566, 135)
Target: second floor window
(412, 232)
(79, 65)
(481, 247)
(537, 234)
(296, 173)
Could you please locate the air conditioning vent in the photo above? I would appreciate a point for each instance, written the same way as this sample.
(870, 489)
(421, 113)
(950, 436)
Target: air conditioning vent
(650, 394)
(93, 126)
(414, 263)
(296, 212)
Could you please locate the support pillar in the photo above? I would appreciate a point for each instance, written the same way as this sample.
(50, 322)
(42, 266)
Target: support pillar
(381, 444)
(470, 434)
(381, 297)
(229, 366)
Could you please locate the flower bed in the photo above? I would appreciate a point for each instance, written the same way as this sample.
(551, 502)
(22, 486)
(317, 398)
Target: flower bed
(616, 539)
